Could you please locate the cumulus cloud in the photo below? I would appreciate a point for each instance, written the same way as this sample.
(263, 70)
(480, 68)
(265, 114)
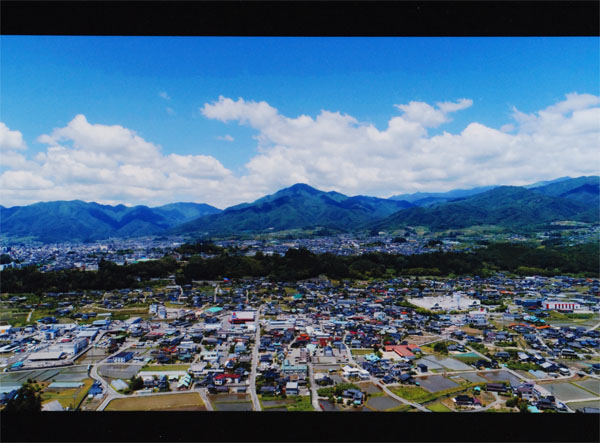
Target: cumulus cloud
(330, 151)
(10, 140)
(428, 116)
(110, 163)
(226, 138)
(334, 151)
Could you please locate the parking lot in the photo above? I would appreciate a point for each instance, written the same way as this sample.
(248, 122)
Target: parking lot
(118, 371)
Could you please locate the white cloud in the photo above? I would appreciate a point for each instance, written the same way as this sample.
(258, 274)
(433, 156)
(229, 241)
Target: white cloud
(226, 138)
(336, 152)
(330, 151)
(10, 140)
(164, 95)
(109, 163)
(170, 111)
(428, 116)
(23, 180)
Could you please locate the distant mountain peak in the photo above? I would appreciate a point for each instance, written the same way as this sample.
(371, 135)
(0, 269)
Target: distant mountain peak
(300, 187)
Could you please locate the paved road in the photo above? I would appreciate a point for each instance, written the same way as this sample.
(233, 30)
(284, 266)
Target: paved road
(313, 388)
(111, 393)
(382, 386)
(252, 386)
(205, 399)
(594, 327)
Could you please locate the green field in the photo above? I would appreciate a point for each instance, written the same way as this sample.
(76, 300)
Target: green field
(70, 398)
(438, 407)
(361, 351)
(182, 367)
(413, 393)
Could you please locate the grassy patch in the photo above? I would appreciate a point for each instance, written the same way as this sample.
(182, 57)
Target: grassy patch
(157, 402)
(361, 351)
(413, 393)
(420, 395)
(403, 408)
(71, 397)
(594, 394)
(181, 367)
(301, 404)
(13, 317)
(438, 407)
(467, 360)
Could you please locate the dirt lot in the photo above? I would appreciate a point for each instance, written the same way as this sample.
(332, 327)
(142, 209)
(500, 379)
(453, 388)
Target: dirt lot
(420, 339)
(158, 403)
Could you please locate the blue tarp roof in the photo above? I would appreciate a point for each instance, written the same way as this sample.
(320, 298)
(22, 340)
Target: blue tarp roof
(214, 309)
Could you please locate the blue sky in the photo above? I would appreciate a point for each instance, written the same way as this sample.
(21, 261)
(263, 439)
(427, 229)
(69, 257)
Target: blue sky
(47, 81)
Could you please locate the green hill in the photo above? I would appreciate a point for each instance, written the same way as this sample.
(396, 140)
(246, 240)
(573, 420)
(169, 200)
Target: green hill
(584, 190)
(299, 206)
(506, 206)
(80, 221)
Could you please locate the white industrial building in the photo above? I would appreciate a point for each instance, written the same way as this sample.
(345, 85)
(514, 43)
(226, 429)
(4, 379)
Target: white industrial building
(46, 355)
(561, 305)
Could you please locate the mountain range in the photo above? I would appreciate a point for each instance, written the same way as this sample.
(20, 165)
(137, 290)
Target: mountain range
(505, 206)
(303, 207)
(296, 207)
(431, 198)
(80, 221)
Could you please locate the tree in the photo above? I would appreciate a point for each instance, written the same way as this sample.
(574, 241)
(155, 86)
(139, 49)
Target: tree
(136, 383)
(441, 347)
(27, 400)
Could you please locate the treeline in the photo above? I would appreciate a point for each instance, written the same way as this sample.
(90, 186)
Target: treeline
(109, 276)
(298, 264)
(301, 264)
(198, 248)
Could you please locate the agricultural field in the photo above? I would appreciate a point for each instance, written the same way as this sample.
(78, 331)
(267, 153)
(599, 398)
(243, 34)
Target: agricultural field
(69, 397)
(189, 401)
(472, 377)
(500, 376)
(383, 403)
(412, 393)
(568, 391)
(290, 404)
(591, 384)
(123, 371)
(437, 383)
(92, 356)
(13, 317)
(153, 368)
(440, 362)
(438, 407)
(369, 388)
(584, 404)
(361, 351)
